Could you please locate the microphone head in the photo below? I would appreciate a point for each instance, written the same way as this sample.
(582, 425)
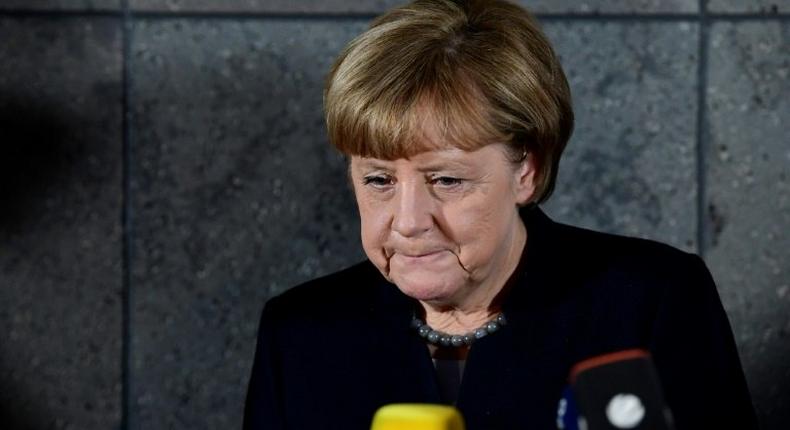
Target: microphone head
(415, 416)
(620, 390)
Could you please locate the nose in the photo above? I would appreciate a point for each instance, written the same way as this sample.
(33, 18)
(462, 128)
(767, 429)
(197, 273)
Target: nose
(413, 209)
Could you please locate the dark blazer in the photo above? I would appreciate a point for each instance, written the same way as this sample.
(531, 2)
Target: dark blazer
(333, 350)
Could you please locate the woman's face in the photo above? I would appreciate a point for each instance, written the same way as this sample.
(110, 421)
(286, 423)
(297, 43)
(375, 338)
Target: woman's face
(444, 222)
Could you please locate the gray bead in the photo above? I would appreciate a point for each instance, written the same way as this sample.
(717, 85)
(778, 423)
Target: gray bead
(457, 340)
(492, 326)
(501, 319)
(424, 330)
(433, 336)
(416, 323)
(468, 339)
(481, 332)
(445, 340)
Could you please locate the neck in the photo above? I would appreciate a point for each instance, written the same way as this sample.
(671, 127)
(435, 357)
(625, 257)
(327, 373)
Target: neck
(483, 301)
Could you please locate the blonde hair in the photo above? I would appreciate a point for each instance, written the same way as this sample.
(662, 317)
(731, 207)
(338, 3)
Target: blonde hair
(481, 71)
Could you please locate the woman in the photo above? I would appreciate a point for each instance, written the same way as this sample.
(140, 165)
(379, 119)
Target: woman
(453, 115)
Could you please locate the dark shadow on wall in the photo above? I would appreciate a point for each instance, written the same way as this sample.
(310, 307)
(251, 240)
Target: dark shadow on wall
(34, 157)
(20, 408)
(34, 160)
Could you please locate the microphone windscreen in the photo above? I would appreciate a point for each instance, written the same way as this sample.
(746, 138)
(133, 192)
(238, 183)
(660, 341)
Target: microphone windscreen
(415, 416)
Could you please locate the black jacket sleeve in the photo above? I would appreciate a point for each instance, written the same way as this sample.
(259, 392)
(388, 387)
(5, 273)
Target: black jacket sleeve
(263, 409)
(695, 354)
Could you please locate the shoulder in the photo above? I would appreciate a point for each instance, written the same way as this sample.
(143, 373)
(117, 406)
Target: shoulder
(621, 269)
(618, 292)
(613, 251)
(617, 247)
(588, 251)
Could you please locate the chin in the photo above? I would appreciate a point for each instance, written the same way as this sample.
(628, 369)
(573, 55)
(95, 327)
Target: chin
(427, 290)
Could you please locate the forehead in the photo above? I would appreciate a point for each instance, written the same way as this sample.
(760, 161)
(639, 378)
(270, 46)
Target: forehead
(489, 156)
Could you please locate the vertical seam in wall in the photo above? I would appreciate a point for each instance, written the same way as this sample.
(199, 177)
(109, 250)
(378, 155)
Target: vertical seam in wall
(126, 216)
(702, 129)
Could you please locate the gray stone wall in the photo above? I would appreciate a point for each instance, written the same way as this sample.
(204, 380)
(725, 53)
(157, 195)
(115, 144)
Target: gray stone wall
(164, 170)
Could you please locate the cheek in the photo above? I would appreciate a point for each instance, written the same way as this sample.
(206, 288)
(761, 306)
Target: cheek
(479, 231)
(481, 218)
(374, 224)
(473, 224)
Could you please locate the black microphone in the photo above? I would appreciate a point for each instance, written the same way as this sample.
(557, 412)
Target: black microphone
(614, 391)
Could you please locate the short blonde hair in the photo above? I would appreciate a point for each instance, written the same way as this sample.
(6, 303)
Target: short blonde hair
(480, 70)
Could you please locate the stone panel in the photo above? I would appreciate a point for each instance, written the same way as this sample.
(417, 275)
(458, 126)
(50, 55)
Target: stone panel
(236, 195)
(748, 208)
(60, 248)
(60, 4)
(751, 6)
(276, 6)
(611, 6)
(378, 6)
(630, 166)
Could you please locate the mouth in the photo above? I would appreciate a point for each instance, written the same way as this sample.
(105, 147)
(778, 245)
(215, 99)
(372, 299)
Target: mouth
(420, 254)
(420, 257)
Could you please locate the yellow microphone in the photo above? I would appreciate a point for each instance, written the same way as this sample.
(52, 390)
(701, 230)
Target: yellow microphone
(415, 416)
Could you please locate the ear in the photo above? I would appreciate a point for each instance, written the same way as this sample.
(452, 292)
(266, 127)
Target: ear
(525, 180)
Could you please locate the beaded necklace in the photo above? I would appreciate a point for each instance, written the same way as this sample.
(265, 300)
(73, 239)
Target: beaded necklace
(440, 338)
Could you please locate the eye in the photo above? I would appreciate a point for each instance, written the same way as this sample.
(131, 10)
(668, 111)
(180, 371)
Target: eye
(378, 181)
(446, 181)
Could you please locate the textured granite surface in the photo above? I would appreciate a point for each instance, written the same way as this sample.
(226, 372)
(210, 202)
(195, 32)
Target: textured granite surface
(236, 195)
(377, 6)
(287, 6)
(748, 206)
(61, 4)
(60, 268)
(750, 6)
(630, 165)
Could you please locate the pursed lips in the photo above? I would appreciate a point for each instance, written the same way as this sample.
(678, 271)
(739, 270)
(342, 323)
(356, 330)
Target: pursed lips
(420, 256)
